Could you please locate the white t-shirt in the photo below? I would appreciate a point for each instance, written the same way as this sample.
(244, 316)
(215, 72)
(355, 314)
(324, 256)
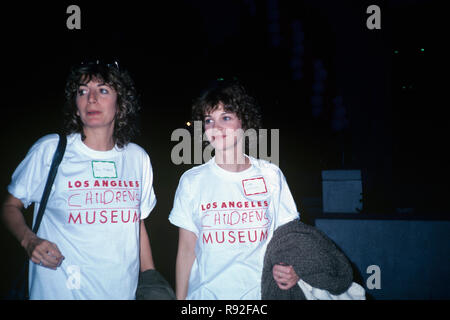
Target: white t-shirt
(233, 215)
(93, 216)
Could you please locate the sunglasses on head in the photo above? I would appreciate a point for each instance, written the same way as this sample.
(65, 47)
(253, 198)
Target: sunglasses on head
(112, 64)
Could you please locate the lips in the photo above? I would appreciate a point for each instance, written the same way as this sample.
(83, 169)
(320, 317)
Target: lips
(93, 113)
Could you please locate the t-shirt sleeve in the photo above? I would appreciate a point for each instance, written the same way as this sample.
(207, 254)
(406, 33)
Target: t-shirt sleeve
(148, 197)
(287, 209)
(29, 178)
(182, 211)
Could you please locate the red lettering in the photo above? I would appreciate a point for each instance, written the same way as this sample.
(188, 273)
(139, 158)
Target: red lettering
(70, 198)
(135, 217)
(76, 219)
(101, 214)
(236, 218)
(209, 238)
(113, 216)
(214, 205)
(87, 220)
(231, 235)
(241, 236)
(131, 195)
(70, 185)
(263, 235)
(217, 218)
(105, 183)
(77, 184)
(223, 237)
(89, 197)
(86, 184)
(128, 217)
(112, 196)
(250, 238)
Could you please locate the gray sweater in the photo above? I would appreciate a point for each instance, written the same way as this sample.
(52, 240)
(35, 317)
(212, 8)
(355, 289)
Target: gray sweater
(314, 257)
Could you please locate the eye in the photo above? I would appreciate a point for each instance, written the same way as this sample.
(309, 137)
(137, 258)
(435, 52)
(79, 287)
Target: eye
(104, 90)
(208, 121)
(81, 91)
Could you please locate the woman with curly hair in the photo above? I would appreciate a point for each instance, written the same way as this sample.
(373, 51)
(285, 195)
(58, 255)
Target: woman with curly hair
(92, 241)
(228, 208)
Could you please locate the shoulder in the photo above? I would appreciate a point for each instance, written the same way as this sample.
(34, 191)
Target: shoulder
(195, 175)
(136, 149)
(46, 144)
(266, 167)
(196, 172)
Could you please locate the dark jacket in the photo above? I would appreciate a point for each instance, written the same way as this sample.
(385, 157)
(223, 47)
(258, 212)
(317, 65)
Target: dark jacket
(314, 257)
(153, 286)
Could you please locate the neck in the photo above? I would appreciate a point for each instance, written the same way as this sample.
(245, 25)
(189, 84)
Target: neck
(232, 160)
(100, 140)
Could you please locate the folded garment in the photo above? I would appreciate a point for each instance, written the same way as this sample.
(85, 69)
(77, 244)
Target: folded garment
(315, 258)
(355, 292)
(153, 286)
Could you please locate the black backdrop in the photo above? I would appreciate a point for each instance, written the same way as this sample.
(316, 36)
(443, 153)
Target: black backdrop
(390, 127)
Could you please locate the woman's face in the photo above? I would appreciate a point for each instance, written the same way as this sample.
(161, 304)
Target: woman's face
(223, 128)
(97, 104)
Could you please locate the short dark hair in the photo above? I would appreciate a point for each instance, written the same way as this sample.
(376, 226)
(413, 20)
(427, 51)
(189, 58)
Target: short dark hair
(126, 126)
(234, 98)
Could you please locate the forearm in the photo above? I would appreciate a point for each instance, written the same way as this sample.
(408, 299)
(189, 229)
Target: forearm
(14, 221)
(185, 260)
(145, 250)
(183, 268)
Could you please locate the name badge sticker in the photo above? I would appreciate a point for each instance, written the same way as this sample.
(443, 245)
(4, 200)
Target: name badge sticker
(254, 186)
(104, 169)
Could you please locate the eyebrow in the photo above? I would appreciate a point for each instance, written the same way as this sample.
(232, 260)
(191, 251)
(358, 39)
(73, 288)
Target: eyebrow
(225, 112)
(98, 85)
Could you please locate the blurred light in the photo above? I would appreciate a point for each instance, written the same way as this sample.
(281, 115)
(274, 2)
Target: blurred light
(422, 50)
(188, 123)
(395, 51)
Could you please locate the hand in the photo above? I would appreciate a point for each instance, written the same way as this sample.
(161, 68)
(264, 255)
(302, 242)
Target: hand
(44, 253)
(285, 276)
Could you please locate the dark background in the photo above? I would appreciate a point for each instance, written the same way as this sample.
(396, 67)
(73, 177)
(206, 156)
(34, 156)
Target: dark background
(380, 111)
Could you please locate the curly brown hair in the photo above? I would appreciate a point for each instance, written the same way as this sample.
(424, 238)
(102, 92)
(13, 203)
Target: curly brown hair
(125, 127)
(234, 97)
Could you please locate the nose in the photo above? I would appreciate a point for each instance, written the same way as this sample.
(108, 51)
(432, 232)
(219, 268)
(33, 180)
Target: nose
(92, 96)
(216, 125)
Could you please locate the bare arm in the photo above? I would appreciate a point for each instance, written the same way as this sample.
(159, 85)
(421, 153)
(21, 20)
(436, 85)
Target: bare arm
(145, 250)
(185, 259)
(39, 250)
(12, 218)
